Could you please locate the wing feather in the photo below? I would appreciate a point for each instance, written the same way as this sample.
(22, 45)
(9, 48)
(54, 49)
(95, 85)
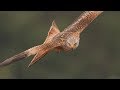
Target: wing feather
(83, 21)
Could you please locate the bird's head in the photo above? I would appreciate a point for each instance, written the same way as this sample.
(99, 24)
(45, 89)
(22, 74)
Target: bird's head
(72, 42)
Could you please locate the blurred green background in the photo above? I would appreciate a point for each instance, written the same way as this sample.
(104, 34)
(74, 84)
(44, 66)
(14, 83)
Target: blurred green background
(97, 57)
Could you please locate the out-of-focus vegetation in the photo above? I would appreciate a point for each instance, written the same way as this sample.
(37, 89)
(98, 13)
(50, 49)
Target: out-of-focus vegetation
(98, 55)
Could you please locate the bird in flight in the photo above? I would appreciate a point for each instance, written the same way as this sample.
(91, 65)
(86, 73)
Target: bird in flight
(66, 40)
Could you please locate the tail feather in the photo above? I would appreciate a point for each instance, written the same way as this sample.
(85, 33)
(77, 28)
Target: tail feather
(38, 56)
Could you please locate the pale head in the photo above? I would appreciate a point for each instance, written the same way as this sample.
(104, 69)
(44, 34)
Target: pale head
(72, 42)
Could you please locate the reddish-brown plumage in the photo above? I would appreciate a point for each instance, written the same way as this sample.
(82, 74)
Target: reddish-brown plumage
(66, 40)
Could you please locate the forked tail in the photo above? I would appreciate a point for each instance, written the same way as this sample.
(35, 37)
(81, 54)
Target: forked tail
(46, 48)
(47, 45)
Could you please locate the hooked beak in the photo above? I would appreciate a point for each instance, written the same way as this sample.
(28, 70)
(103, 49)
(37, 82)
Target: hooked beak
(73, 47)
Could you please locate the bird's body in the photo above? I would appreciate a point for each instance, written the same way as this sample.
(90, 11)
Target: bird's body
(66, 40)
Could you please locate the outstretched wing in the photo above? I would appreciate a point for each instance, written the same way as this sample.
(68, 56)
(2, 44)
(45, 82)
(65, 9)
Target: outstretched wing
(39, 51)
(83, 21)
(20, 56)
